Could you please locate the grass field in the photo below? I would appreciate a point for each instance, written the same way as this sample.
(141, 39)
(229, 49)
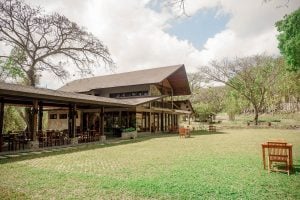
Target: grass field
(225, 165)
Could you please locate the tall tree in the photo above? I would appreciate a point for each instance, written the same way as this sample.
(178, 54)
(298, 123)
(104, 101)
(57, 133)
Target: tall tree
(252, 77)
(289, 39)
(195, 82)
(49, 41)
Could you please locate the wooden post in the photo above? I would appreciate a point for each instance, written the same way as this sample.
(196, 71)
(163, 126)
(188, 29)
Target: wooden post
(81, 121)
(87, 121)
(120, 119)
(127, 120)
(150, 118)
(70, 116)
(162, 122)
(35, 117)
(1, 122)
(40, 122)
(102, 121)
(73, 122)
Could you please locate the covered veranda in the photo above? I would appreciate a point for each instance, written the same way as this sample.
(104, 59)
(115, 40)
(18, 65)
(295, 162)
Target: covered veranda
(37, 100)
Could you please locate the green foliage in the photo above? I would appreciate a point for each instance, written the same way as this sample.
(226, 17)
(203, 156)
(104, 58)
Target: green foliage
(209, 100)
(12, 119)
(10, 67)
(130, 129)
(234, 103)
(289, 39)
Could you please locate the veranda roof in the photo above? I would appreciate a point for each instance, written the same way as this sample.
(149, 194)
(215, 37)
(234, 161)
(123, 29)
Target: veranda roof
(25, 94)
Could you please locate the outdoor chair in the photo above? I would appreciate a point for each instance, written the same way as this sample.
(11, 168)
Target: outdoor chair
(278, 153)
(182, 132)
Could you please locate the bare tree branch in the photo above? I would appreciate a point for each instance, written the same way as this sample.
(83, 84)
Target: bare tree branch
(47, 40)
(252, 77)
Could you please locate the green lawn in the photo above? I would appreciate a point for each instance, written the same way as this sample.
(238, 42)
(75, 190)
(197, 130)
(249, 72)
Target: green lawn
(226, 165)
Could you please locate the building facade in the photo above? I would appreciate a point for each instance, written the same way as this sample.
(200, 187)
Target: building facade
(151, 91)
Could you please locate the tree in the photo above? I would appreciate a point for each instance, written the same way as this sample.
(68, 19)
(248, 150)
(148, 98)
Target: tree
(209, 100)
(289, 39)
(234, 103)
(195, 82)
(8, 69)
(48, 41)
(252, 77)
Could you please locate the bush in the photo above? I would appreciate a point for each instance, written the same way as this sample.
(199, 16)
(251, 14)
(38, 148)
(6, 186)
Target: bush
(130, 129)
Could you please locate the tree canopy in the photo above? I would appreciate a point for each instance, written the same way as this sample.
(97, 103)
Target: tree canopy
(289, 39)
(47, 41)
(252, 77)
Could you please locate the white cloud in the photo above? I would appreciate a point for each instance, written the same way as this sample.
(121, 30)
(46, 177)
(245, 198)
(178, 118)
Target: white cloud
(136, 38)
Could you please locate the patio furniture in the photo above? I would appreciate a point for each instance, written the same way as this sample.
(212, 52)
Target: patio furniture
(184, 132)
(212, 128)
(278, 152)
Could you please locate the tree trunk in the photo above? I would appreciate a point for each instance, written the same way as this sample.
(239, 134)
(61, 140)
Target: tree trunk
(32, 81)
(256, 115)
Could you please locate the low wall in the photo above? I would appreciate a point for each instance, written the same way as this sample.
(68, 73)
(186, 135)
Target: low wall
(129, 135)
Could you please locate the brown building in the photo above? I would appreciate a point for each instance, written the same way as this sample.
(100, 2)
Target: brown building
(90, 109)
(152, 90)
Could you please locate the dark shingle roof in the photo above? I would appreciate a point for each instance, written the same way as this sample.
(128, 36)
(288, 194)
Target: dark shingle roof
(147, 76)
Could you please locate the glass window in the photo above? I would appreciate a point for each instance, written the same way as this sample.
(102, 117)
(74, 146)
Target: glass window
(53, 116)
(63, 116)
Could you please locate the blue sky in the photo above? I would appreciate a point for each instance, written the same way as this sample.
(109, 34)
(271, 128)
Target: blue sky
(199, 27)
(144, 34)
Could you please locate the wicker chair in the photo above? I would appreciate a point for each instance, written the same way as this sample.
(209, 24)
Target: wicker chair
(278, 153)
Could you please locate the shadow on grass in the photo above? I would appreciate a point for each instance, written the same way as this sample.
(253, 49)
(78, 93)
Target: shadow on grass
(40, 153)
(296, 169)
(203, 132)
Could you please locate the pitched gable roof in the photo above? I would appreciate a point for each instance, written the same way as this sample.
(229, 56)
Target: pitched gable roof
(175, 74)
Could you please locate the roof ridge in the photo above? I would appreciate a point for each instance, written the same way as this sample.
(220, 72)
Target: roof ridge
(179, 65)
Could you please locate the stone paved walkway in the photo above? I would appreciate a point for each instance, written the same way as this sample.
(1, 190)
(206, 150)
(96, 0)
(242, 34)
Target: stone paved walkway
(7, 155)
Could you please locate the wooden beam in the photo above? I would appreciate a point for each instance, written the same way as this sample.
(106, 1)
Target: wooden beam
(102, 120)
(162, 129)
(1, 122)
(74, 111)
(72, 120)
(34, 121)
(40, 122)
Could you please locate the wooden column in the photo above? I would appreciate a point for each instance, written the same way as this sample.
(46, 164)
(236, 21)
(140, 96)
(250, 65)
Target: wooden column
(127, 120)
(81, 121)
(87, 121)
(120, 119)
(35, 118)
(40, 122)
(69, 121)
(162, 122)
(72, 120)
(1, 122)
(102, 121)
(150, 117)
